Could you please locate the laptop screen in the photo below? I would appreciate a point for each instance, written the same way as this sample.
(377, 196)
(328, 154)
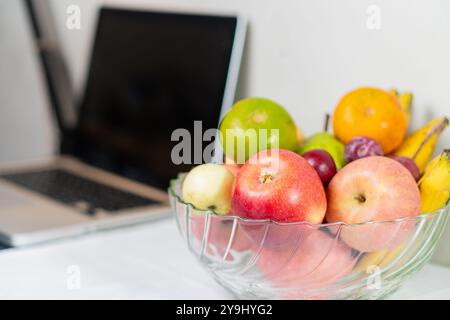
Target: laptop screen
(150, 74)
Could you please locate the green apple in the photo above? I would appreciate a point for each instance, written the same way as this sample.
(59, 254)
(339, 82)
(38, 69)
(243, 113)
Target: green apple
(324, 140)
(209, 186)
(257, 124)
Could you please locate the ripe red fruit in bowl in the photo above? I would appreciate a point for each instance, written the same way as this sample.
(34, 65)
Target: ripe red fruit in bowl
(280, 185)
(323, 163)
(373, 189)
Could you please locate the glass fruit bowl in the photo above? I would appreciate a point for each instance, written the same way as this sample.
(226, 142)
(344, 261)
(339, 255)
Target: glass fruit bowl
(265, 259)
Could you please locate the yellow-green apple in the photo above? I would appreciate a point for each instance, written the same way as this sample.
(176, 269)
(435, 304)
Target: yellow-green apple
(319, 260)
(373, 189)
(280, 185)
(209, 186)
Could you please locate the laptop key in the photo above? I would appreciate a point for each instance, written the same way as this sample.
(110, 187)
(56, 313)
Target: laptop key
(84, 194)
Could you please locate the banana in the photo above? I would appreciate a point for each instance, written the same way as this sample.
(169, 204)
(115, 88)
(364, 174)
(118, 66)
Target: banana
(435, 183)
(420, 144)
(379, 258)
(405, 99)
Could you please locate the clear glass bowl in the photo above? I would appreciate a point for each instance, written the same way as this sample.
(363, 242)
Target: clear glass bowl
(264, 259)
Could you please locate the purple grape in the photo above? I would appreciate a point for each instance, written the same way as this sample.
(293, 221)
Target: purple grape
(361, 147)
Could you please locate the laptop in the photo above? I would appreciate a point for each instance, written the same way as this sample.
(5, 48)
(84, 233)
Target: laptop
(150, 73)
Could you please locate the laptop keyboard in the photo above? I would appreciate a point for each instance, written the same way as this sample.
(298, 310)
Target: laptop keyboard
(70, 189)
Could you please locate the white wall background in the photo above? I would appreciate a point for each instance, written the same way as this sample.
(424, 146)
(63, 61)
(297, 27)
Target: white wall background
(25, 125)
(303, 54)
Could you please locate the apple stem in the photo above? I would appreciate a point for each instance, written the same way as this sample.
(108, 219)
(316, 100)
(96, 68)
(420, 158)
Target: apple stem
(266, 177)
(327, 120)
(360, 198)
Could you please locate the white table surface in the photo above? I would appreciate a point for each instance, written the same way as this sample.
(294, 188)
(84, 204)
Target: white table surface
(143, 262)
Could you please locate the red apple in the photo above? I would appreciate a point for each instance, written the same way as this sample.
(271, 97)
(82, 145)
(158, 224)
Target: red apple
(280, 185)
(373, 189)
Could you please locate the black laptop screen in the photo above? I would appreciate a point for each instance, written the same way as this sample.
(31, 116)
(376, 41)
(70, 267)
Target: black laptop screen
(150, 74)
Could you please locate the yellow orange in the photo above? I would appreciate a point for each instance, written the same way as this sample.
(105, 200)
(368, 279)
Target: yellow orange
(373, 113)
